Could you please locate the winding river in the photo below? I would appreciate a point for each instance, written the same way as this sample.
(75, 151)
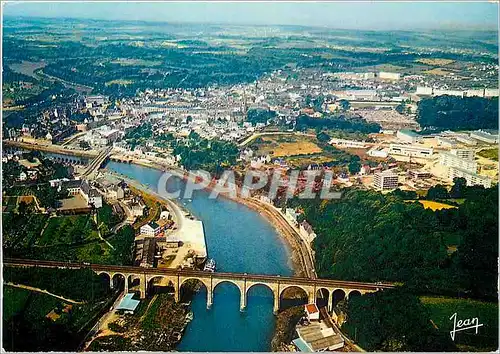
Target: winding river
(240, 240)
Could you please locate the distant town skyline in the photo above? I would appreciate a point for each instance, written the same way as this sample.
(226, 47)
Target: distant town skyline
(356, 15)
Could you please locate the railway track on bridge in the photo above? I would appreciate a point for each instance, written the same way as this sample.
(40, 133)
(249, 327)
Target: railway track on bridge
(16, 262)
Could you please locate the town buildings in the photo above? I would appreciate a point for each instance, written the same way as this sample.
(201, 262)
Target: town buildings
(471, 177)
(408, 136)
(385, 180)
(451, 160)
(410, 150)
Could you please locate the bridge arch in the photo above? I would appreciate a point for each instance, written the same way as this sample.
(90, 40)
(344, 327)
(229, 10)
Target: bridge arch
(353, 293)
(185, 290)
(233, 284)
(251, 285)
(155, 286)
(337, 296)
(322, 297)
(299, 298)
(258, 292)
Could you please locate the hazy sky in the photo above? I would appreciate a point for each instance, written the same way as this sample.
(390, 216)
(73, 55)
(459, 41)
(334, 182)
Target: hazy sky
(359, 15)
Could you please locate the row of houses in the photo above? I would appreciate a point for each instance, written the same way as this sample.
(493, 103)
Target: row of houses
(79, 187)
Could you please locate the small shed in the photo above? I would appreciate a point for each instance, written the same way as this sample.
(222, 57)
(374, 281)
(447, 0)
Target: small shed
(128, 304)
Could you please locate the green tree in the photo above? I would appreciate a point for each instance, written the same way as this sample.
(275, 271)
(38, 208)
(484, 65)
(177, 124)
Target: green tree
(393, 320)
(437, 192)
(459, 188)
(344, 105)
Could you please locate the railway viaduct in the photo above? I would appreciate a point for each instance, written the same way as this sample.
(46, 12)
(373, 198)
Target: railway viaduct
(149, 277)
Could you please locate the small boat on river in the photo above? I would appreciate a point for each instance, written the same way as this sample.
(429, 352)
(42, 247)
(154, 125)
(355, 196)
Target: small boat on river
(210, 266)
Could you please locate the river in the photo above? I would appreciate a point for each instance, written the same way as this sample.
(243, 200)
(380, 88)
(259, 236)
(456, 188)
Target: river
(240, 240)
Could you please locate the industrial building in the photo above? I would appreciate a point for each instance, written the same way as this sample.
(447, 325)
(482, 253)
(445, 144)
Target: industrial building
(377, 153)
(485, 137)
(385, 180)
(466, 140)
(410, 150)
(388, 76)
(408, 136)
(446, 142)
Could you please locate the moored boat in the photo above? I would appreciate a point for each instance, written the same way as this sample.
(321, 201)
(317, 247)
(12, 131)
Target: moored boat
(210, 266)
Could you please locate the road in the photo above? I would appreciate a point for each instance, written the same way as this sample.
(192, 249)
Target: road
(178, 212)
(31, 288)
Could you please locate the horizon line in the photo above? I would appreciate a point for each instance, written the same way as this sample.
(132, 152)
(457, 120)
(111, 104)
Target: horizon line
(455, 27)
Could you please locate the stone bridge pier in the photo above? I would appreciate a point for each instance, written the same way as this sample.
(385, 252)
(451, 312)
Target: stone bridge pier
(210, 281)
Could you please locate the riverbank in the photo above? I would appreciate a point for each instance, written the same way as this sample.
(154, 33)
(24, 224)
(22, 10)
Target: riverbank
(300, 260)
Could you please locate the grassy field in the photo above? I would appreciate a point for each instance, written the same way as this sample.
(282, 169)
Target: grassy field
(491, 154)
(68, 229)
(119, 82)
(441, 309)
(14, 300)
(437, 61)
(282, 146)
(28, 328)
(429, 204)
(436, 71)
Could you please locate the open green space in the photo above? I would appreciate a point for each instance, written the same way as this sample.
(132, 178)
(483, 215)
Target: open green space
(68, 230)
(442, 308)
(491, 154)
(33, 321)
(78, 285)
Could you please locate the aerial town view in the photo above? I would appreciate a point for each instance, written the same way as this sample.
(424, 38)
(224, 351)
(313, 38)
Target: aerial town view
(252, 177)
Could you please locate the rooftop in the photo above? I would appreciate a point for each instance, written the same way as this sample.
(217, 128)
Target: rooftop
(128, 303)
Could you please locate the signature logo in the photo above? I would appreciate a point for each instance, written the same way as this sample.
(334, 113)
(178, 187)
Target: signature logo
(462, 325)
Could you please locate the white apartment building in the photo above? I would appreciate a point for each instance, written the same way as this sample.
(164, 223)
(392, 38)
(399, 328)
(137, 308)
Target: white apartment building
(385, 180)
(472, 179)
(389, 76)
(348, 143)
(424, 91)
(450, 160)
(151, 230)
(410, 150)
(466, 154)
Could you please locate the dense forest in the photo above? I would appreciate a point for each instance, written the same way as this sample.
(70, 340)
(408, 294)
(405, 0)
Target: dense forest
(367, 236)
(259, 115)
(457, 113)
(209, 155)
(337, 122)
(393, 321)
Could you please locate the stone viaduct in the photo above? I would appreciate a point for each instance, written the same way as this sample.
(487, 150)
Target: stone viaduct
(149, 277)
